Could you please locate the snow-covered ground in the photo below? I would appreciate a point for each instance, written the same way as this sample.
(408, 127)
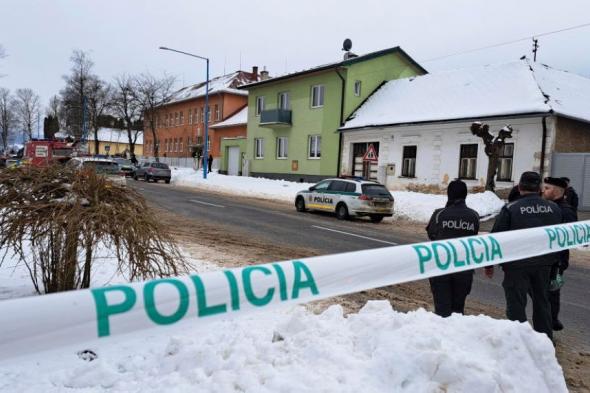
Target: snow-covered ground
(409, 205)
(294, 350)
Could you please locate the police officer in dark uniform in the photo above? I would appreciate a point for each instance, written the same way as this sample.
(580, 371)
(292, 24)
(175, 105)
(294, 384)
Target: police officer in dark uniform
(530, 275)
(571, 196)
(554, 190)
(455, 220)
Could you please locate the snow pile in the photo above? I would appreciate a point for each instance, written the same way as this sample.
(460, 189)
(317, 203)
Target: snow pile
(239, 185)
(376, 350)
(419, 207)
(408, 205)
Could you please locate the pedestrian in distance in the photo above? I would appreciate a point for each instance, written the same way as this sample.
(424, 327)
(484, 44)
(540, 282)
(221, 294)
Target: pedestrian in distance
(531, 275)
(554, 190)
(571, 196)
(454, 220)
(210, 163)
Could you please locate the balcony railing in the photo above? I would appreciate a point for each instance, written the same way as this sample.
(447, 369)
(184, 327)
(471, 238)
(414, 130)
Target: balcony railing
(275, 118)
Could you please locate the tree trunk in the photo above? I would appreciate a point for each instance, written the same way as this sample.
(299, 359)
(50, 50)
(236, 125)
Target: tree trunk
(87, 263)
(156, 144)
(492, 169)
(96, 147)
(70, 260)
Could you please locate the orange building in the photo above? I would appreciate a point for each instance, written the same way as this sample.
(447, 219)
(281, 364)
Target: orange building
(180, 123)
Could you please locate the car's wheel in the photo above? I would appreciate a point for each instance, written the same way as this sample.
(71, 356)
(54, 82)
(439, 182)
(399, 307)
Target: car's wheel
(146, 178)
(167, 181)
(341, 211)
(376, 218)
(300, 204)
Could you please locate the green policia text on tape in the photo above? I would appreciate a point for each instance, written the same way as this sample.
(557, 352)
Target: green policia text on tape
(568, 235)
(302, 280)
(446, 253)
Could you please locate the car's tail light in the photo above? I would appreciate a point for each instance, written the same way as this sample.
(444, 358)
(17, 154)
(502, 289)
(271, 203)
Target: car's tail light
(364, 197)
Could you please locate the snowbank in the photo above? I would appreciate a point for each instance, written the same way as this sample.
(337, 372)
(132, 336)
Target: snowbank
(408, 205)
(376, 350)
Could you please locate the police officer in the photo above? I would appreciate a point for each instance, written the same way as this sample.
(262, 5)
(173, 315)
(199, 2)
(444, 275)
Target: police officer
(554, 190)
(530, 275)
(454, 220)
(571, 196)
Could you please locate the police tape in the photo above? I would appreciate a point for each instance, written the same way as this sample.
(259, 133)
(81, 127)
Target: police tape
(46, 322)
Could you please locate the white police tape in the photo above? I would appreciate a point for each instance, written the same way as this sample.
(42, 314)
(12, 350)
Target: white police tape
(45, 322)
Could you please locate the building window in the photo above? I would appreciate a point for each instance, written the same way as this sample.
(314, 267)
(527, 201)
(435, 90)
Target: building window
(175, 118)
(166, 120)
(190, 116)
(217, 113)
(357, 88)
(409, 161)
(315, 146)
(259, 148)
(317, 96)
(202, 115)
(259, 105)
(165, 145)
(505, 162)
(468, 161)
(180, 145)
(284, 101)
(181, 118)
(282, 148)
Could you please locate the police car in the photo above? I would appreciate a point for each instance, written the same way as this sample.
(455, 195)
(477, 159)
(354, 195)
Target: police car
(347, 197)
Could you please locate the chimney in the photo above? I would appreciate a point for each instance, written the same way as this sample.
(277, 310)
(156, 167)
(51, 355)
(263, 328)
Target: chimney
(255, 73)
(264, 74)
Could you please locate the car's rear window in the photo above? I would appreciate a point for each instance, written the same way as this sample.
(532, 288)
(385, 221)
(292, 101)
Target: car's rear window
(159, 165)
(102, 166)
(376, 190)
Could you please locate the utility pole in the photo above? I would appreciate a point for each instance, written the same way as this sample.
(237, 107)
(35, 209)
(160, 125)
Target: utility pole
(535, 48)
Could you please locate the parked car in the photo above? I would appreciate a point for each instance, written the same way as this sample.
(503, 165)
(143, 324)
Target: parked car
(153, 171)
(125, 166)
(102, 166)
(347, 197)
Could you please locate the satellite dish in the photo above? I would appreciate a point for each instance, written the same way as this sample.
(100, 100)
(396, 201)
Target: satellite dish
(347, 45)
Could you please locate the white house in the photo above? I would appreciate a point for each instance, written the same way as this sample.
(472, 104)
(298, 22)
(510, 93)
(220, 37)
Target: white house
(419, 126)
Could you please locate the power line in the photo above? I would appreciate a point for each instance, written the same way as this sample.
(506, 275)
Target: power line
(507, 42)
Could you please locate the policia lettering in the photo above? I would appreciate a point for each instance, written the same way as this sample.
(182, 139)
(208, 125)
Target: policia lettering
(444, 253)
(570, 235)
(302, 279)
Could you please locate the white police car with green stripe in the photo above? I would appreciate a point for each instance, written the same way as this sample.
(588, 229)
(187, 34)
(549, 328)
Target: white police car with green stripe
(347, 197)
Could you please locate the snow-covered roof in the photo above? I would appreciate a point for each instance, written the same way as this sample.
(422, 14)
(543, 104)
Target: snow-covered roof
(115, 135)
(221, 84)
(240, 118)
(493, 90)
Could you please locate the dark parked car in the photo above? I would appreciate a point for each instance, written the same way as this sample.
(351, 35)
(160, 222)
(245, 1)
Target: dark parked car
(153, 171)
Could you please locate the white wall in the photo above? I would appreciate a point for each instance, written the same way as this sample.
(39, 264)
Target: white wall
(438, 145)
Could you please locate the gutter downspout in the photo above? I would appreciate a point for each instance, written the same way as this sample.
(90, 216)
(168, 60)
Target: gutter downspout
(341, 121)
(543, 147)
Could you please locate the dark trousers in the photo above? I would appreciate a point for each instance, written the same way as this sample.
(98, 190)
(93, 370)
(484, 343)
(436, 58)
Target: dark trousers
(534, 281)
(449, 292)
(554, 298)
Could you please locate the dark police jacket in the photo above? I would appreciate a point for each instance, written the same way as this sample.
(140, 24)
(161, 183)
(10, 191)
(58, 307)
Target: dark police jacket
(454, 220)
(529, 211)
(571, 196)
(568, 214)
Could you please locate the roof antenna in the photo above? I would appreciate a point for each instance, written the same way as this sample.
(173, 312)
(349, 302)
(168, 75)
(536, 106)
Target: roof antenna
(535, 48)
(347, 46)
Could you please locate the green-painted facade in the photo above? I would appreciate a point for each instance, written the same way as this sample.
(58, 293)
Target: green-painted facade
(324, 121)
(226, 143)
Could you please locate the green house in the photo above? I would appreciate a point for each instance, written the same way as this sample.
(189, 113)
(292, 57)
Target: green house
(293, 119)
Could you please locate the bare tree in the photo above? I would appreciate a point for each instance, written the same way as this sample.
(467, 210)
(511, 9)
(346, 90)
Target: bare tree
(99, 95)
(493, 148)
(7, 117)
(73, 95)
(27, 110)
(54, 108)
(126, 106)
(151, 92)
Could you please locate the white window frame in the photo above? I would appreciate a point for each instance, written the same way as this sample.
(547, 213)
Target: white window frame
(314, 147)
(259, 105)
(259, 148)
(321, 89)
(217, 113)
(469, 163)
(357, 88)
(190, 116)
(181, 118)
(282, 148)
(283, 101)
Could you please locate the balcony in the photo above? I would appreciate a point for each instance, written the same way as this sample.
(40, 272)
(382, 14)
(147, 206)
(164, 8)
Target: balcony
(275, 118)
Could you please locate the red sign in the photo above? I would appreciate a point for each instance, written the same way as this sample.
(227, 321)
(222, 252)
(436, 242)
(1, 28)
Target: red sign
(371, 154)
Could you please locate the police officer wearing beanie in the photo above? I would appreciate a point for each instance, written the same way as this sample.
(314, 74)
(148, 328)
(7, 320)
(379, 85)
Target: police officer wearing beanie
(554, 190)
(530, 275)
(455, 220)
(571, 196)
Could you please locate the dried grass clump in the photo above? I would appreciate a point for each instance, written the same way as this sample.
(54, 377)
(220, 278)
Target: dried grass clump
(54, 219)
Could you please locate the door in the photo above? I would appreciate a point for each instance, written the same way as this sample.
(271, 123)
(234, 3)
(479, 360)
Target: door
(233, 161)
(318, 199)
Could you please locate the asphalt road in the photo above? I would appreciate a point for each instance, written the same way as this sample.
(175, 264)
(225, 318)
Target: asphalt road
(281, 224)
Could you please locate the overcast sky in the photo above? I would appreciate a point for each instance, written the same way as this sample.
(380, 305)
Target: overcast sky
(123, 36)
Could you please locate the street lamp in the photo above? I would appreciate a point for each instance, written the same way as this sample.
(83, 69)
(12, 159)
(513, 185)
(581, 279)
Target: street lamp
(206, 144)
